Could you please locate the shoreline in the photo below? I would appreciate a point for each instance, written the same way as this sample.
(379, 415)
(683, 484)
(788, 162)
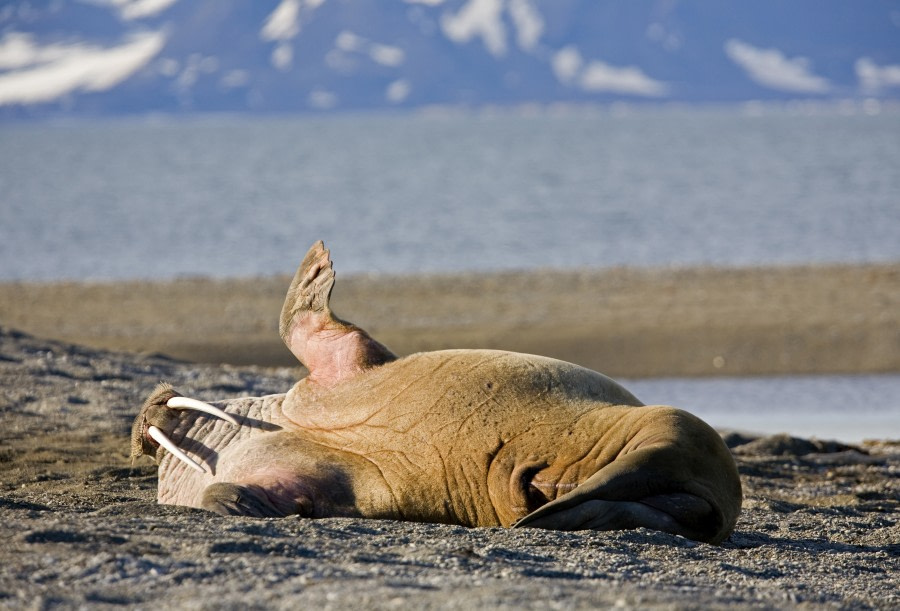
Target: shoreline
(625, 322)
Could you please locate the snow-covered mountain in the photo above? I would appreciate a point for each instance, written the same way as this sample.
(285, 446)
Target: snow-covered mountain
(107, 57)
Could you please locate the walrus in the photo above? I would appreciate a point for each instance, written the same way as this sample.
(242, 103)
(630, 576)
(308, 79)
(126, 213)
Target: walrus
(468, 437)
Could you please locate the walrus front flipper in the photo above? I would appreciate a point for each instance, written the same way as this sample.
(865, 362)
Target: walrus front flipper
(332, 349)
(234, 500)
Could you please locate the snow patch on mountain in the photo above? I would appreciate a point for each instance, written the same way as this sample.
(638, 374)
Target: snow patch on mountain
(130, 10)
(667, 38)
(283, 23)
(598, 76)
(386, 55)
(47, 73)
(348, 41)
(478, 19)
(484, 19)
(283, 56)
(528, 22)
(566, 64)
(630, 80)
(350, 45)
(18, 49)
(234, 79)
(874, 78)
(772, 69)
(398, 91)
(322, 99)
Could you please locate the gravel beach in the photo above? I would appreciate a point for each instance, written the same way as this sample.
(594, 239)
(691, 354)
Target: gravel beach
(80, 526)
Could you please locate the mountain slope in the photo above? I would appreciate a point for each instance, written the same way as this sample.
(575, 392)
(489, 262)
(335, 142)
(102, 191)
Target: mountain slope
(99, 57)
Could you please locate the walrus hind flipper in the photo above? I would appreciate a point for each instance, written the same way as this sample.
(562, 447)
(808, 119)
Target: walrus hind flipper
(332, 349)
(656, 513)
(633, 492)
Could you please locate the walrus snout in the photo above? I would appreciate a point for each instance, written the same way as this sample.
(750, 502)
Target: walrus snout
(158, 417)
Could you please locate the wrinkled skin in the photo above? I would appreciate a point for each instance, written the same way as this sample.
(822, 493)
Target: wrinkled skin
(471, 437)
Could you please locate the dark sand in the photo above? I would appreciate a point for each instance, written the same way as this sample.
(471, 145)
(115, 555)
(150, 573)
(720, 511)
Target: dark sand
(80, 527)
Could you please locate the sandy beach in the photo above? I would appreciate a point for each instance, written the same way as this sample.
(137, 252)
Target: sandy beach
(820, 525)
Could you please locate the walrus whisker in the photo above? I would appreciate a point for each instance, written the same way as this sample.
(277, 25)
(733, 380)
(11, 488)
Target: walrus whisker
(188, 403)
(168, 444)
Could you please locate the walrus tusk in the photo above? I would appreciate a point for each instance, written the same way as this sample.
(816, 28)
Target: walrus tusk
(168, 444)
(188, 403)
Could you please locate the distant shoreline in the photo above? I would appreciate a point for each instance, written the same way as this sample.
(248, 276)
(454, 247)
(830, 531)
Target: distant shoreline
(861, 106)
(629, 322)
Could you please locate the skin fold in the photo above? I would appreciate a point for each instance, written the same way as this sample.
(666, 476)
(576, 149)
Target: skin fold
(470, 437)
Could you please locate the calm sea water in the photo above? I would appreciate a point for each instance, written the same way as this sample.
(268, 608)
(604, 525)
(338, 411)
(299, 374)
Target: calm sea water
(237, 197)
(850, 408)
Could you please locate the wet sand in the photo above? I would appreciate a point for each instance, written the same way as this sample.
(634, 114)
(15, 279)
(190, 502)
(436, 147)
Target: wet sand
(623, 322)
(820, 525)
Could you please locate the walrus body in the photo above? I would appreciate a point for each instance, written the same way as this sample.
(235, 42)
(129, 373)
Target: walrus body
(471, 437)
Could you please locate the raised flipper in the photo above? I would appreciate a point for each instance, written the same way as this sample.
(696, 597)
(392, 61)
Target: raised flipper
(330, 348)
(628, 494)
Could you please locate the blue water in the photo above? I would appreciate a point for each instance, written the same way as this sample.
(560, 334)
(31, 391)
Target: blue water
(850, 408)
(238, 197)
